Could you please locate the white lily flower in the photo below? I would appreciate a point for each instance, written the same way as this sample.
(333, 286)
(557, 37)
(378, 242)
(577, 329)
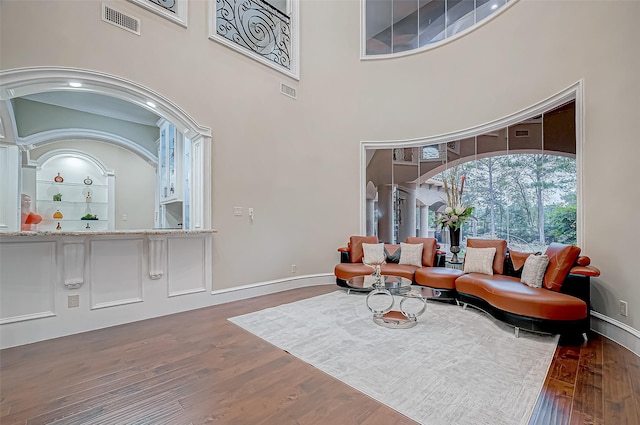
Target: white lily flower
(459, 210)
(448, 210)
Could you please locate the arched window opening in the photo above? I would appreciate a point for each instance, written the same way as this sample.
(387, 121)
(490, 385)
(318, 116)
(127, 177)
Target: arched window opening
(520, 179)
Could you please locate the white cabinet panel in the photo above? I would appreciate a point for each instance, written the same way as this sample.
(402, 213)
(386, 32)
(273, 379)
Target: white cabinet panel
(116, 272)
(186, 265)
(28, 275)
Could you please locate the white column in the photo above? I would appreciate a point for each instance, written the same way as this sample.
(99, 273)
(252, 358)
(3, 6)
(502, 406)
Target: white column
(409, 215)
(424, 221)
(385, 213)
(9, 195)
(370, 211)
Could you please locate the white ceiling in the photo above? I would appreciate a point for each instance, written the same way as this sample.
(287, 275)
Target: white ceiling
(97, 104)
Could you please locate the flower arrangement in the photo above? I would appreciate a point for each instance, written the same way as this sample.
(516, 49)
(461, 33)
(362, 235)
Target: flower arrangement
(456, 213)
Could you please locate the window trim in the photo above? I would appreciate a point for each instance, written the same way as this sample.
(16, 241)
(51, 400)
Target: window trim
(294, 13)
(431, 46)
(180, 17)
(573, 92)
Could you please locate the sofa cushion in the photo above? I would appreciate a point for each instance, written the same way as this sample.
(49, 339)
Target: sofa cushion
(346, 271)
(402, 270)
(355, 244)
(508, 294)
(437, 277)
(561, 259)
(392, 253)
(411, 254)
(533, 271)
(428, 250)
(501, 249)
(479, 260)
(373, 253)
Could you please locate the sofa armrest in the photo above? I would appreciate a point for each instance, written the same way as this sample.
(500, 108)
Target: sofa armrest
(345, 252)
(589, 271)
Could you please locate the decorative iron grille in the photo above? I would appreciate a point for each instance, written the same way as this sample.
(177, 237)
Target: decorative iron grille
(256, 26)
(170, 5)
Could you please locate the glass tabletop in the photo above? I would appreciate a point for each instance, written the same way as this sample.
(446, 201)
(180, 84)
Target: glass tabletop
(395, 284)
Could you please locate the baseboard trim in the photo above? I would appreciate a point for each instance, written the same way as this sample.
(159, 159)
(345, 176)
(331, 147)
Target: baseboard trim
(237, 293)
(616, 331)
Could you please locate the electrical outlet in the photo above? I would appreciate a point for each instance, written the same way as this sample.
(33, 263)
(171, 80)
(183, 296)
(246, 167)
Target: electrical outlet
(73, 301)
(623, 308)
(294, 268)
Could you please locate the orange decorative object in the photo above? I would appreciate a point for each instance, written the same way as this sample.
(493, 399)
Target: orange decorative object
(58, 178)
(57, 214)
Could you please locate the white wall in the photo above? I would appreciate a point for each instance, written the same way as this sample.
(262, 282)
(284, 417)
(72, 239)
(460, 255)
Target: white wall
(297, 161)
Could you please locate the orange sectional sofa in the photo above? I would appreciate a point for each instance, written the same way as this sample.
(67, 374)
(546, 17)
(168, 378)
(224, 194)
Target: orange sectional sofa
(351, 259)
(560, 306)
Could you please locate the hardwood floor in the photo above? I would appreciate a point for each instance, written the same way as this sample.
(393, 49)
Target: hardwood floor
(198, 368)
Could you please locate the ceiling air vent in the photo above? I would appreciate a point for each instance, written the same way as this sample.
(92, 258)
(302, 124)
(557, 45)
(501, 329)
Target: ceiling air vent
(287, 91)
(119, 19)
(522, 133)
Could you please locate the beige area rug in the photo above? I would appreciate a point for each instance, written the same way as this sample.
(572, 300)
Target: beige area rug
(455, 367)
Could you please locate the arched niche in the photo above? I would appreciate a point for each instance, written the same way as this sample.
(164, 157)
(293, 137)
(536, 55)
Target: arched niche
(79, 186)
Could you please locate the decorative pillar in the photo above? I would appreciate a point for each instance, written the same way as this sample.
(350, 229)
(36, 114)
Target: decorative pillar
(424, 222)
(73, 262)
(370, 212)
(156, 256)
(408, 228)
(385, 213)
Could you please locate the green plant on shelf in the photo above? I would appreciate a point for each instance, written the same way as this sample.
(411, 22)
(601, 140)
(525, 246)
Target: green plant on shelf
(89, 217)
(57, 197)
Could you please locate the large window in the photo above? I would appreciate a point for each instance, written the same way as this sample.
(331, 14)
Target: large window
(394, 26)
(521, 179)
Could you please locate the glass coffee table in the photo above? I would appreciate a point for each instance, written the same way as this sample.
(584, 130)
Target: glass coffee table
(394, 284)
(382, 299)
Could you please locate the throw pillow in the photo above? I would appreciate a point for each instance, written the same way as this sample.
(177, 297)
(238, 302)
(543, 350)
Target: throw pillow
(373, 253)
(392, 252)
(533, 271)
(411, 254)
(479, 260)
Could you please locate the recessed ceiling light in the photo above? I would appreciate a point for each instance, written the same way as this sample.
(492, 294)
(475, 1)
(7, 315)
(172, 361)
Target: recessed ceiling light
(75, 84)
(151, 104)
(494, 7)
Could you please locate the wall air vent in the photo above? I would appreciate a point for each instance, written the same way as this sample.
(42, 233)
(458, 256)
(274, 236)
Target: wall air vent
(522, 133)
(287, 91)
(119, 19)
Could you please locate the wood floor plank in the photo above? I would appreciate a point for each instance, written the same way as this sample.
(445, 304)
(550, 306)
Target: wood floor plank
(565, 364)
(620, 401)
(588, 402)
(198, 368)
